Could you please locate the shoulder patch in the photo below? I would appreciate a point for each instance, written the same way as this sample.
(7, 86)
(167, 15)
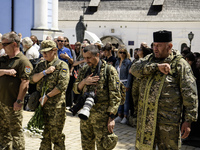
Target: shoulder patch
(64, 70)
(28, 69)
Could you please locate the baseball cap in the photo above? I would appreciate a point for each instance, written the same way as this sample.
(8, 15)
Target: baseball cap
(110, 141)
(47, 45)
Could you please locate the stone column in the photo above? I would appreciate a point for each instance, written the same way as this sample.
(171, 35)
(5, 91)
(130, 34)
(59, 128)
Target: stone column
(40, 14)
(54, 15)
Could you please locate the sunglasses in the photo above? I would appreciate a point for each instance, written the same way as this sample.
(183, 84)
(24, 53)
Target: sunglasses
(5, 44)
(122, 52)
(60, 41)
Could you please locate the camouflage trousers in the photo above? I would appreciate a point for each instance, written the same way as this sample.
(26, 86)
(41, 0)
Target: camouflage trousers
(93, 130)
(11, 134)
(54, 120)
(168, 137)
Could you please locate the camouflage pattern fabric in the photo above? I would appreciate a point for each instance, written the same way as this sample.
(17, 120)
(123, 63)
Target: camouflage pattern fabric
(54, 108)
(47, 45)
(108, 96)
(179, 89)
(135, 94)
(168, 137)
(11, 134)
(54, 123)
(93, 130)
(59, 79)
(110, 141)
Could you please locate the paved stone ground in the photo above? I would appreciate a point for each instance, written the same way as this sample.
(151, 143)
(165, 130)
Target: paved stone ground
(71, 130)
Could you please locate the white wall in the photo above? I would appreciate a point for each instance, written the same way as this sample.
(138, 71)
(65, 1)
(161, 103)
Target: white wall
(138, 31)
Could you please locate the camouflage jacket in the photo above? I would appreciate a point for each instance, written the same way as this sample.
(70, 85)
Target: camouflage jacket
(107, 91)
(59, 79)
(162, 97)
(179, 87)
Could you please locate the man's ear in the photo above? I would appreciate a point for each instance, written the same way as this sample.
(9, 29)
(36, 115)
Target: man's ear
(97, 55)
(15, 44)
(170, 45)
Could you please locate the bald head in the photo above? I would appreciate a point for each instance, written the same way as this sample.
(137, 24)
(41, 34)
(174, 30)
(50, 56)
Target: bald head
(60, 42)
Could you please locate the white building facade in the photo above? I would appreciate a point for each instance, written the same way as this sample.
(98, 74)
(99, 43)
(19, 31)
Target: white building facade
(30, 17)
(132, 22)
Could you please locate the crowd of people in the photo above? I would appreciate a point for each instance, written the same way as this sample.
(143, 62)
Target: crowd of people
(161, 84)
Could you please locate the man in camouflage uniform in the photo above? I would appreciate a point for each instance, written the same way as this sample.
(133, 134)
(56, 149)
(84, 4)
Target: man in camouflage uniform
(52, 78)
(167, 84)
(92, 78)
(15, 69)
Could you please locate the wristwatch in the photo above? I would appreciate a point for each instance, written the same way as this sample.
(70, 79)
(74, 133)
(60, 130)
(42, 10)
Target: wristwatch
(112, 116)
(47, 96)
(19, 101)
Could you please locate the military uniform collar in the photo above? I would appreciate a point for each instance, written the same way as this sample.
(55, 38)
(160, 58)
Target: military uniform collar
(19, 54)
(16, 56)
(52, 62)
(171, 56)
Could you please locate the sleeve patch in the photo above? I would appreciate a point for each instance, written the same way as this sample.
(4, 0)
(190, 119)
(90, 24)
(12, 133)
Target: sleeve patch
(64, 70)
(28, 69)
(117, 81)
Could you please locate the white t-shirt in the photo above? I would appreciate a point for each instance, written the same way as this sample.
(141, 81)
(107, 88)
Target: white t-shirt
(36, 46)
(32, 53)
(2, 52)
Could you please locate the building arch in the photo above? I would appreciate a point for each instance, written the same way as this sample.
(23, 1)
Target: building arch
(113, 39)
(182, 44)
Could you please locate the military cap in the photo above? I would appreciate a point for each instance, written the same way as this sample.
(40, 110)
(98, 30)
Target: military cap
(110, 141)
(162, 36)
(47, 45)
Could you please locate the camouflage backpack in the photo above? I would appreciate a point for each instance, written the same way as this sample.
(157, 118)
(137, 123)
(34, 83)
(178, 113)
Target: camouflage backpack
(121, 85)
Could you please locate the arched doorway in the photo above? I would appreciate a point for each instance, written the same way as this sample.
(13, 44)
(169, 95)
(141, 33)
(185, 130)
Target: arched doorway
(112, 39)
(182, 46)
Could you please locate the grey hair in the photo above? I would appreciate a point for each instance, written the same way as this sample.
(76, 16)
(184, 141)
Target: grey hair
(11, 37)
(48, 37)
(27, 41)
(91, 48)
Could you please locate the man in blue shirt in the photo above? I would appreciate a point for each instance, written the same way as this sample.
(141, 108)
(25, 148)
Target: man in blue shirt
(63, 52)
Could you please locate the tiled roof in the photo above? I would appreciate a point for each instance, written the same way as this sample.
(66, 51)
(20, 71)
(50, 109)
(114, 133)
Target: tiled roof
(132, 10)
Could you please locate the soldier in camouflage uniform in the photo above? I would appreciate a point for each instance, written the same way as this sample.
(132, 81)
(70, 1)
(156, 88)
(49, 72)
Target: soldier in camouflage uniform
(52, 78)
(101, 120)
(15, 69)
(167, 84)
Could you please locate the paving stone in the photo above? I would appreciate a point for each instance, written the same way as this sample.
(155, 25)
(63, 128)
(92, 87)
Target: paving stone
(71, 130)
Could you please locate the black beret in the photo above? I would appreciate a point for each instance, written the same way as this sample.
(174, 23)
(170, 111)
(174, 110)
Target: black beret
(162, 36)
